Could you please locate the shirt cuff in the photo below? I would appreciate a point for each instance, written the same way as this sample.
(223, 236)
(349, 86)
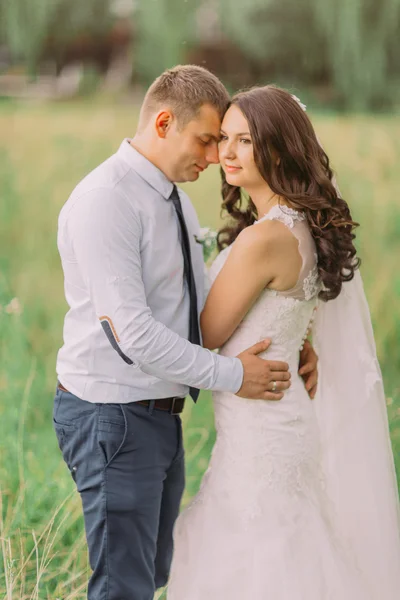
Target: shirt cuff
(230, 375)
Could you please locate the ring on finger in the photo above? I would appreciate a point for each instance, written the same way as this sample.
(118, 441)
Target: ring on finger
(273, 386)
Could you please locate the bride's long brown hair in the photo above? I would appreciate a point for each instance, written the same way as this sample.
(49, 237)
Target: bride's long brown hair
(296, 168)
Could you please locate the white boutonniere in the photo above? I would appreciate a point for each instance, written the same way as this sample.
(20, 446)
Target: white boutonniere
(208, 239)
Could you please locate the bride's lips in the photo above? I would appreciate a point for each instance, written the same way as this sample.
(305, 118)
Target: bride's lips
(232, 169)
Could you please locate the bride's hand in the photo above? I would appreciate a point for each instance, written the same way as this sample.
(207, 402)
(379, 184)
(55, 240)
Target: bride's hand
(308, 368)
(263, 379)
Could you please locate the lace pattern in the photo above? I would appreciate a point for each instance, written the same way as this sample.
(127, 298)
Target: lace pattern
(312, 284)
(285, 214)
(279, 443)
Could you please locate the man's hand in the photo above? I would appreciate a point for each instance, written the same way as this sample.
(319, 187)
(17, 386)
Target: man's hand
(308, 368)
(263, 379)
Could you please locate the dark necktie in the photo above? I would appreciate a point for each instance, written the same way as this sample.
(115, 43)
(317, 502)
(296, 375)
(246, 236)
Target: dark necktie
(194, 333)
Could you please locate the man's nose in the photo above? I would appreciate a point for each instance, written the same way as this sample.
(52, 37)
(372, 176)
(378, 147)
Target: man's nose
(212, 154)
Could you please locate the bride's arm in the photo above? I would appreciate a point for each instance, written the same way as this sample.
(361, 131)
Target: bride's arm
(258, 255)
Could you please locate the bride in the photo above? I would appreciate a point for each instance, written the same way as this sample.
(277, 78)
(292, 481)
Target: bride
(300, 499)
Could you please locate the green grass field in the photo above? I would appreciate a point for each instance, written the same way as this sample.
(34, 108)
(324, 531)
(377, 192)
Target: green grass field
(44, 151)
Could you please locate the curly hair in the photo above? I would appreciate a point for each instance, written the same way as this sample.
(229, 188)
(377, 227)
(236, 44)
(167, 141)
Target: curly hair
(291, 160)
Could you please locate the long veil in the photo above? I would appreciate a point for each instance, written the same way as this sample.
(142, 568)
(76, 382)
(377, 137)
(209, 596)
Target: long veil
(357, 455)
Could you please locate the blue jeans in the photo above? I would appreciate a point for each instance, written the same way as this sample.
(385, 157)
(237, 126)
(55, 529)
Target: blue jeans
(128, 465)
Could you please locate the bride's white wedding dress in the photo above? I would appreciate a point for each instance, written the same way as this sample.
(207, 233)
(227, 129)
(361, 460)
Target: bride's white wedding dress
(262, 526)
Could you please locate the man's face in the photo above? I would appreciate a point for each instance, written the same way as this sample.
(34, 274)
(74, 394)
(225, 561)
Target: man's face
(193, 148)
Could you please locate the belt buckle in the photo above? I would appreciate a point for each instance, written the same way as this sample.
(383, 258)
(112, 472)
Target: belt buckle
(172, 409)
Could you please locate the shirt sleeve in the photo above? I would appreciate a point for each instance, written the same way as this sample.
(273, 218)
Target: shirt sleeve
(105, 234)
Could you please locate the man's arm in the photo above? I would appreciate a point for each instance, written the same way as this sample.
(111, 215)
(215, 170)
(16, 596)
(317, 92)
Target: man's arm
(105, 236)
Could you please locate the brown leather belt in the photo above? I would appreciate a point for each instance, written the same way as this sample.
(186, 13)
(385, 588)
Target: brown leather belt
(173, 405)
(61, 387)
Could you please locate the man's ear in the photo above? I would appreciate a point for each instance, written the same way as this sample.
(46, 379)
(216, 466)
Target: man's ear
(163, 122)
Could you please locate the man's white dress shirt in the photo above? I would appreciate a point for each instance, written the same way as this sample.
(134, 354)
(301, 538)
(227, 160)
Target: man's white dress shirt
(125, 334)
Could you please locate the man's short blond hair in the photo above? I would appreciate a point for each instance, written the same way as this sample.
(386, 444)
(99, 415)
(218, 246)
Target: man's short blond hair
(184, 89)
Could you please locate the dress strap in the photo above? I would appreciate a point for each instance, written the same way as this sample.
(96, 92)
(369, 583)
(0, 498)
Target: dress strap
(285, 214)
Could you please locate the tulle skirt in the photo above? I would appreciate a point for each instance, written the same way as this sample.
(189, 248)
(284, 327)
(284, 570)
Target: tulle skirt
(261, 526)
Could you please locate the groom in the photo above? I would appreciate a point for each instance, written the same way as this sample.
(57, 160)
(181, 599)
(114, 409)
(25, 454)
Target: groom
(132, 347)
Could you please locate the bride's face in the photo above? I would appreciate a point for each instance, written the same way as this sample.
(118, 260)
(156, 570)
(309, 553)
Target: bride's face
(236, 151)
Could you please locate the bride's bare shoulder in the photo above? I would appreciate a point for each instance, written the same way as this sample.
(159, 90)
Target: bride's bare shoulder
(268, 236)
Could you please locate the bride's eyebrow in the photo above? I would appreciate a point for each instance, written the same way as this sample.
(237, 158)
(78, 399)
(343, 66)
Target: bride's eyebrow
(238, 134)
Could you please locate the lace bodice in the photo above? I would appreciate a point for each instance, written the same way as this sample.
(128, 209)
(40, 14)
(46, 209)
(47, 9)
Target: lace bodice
(282, 316)
(278, 441)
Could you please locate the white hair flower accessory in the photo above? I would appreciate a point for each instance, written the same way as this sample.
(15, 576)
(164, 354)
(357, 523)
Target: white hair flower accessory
(299, 102)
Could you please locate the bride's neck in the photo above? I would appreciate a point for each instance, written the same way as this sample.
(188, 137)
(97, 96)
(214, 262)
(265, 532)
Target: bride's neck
(264, 199)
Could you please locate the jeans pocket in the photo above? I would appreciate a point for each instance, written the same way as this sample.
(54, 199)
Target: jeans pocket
(112, 429)
(66, 436)
(62, 430)
(70, 411)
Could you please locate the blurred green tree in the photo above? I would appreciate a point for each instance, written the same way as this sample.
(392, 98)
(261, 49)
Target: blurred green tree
(347, 50)
(360, 35)
(165, 29)
(25, 25)
(353, 45)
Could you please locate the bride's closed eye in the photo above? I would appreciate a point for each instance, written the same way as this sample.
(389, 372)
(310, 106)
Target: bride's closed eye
(223, 138)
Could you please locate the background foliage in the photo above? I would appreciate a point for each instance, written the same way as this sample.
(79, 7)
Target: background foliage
(346, 53)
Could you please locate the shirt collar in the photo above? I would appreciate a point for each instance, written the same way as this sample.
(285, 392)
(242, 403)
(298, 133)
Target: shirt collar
(145, 168)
